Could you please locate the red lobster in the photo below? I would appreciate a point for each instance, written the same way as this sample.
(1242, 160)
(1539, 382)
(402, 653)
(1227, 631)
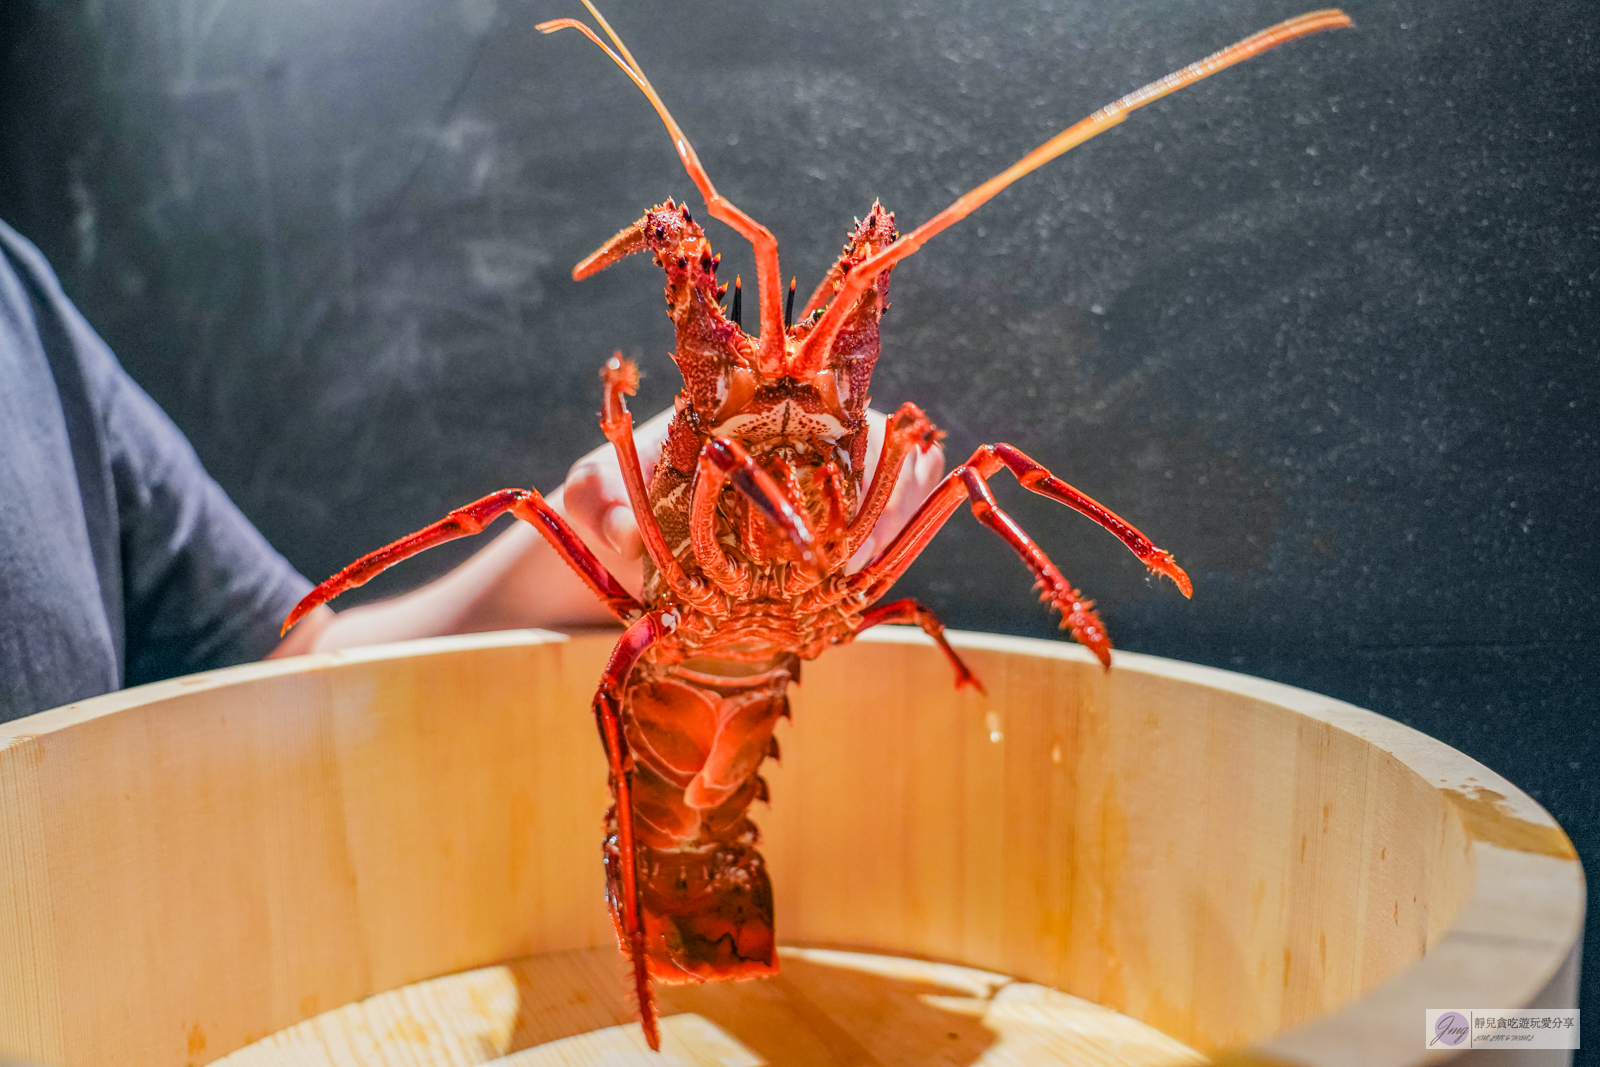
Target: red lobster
(749, 521)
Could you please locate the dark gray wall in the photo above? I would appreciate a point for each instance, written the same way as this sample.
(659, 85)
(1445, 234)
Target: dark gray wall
(1324, 326)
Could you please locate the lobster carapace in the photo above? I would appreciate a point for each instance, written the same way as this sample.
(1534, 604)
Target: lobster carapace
(752, 523)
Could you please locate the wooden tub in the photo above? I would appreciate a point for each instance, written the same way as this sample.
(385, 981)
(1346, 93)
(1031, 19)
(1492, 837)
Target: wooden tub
(1264, 874)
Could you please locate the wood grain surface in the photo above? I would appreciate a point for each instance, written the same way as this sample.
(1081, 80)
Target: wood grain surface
(193, 866)
(827, 1009)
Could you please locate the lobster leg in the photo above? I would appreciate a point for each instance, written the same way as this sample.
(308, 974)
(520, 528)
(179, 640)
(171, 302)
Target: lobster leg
(608, 716)
(1037, 477)
(525, 504)
(621, 379)
(987, 461)
(969, 482)
(910, 611)
(722, 461)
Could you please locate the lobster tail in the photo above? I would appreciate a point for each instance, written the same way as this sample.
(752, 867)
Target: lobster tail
(704, 898)
(707, 912)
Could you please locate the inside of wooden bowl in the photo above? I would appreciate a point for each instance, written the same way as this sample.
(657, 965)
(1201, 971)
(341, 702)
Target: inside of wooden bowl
(191, 866)
(1211, 863)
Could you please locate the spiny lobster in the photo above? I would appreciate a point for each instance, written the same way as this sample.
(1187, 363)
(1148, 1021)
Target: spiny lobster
(749, 522)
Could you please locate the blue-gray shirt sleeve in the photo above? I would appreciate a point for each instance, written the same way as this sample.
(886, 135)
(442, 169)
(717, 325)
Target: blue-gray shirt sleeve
(185, 580)
(201, 586)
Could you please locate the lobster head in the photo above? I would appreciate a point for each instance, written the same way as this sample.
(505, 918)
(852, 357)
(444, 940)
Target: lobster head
(764, 395)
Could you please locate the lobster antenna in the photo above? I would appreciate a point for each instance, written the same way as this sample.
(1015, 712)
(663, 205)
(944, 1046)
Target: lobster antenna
(815, 349)
(761, 239)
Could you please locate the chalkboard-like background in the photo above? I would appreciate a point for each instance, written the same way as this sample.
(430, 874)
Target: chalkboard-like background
(1325, 326)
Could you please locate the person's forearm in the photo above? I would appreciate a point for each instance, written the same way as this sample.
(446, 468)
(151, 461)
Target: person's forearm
(517, 581)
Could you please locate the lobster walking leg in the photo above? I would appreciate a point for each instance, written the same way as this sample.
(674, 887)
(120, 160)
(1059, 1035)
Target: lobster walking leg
(608, 716)
(1036, 477)
(723, 460)
(967, 482)
(621, 379)
(525, 504)
(910, 611)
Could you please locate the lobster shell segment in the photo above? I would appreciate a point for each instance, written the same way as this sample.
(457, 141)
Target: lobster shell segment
(707, 912)
(697, 741)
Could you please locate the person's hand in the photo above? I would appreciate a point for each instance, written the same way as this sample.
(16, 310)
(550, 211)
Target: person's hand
(919, 476)
(596, 499)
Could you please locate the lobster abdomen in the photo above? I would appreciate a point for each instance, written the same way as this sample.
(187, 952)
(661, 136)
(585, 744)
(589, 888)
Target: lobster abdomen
(696, 741)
